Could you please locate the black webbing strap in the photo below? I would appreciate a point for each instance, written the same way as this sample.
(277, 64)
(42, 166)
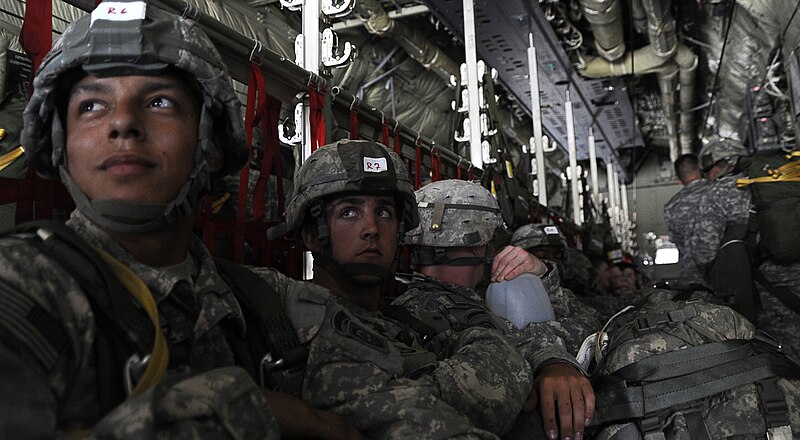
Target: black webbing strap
(622, 402)
(402, 314)
(773, 403)
(282, 357)
(784, 294)
(110, 300)
(681, 362)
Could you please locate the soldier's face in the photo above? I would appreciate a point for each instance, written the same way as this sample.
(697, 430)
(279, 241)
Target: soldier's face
(131, 138)
(363, 229)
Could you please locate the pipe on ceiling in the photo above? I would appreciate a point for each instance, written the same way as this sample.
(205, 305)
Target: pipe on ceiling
(663, 56)
(378, 22)
(605, 18)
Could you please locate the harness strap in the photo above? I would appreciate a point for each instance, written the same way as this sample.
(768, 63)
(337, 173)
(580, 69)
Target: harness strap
(622, 402)
(159, 357)
(784, 294)
(282, 358)
(9, 158)
(402, 314)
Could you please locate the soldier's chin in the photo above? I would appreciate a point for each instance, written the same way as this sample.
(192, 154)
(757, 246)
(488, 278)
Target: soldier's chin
(368, 280)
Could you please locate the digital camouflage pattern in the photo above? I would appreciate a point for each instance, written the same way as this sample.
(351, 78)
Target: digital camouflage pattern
(455, 213)
(538, 234)
(681, 217)
(775, 318)
(50, 396)
(350, 166)
(722, 204)
(152, 44)
(719, 148)
(378, 374)
(461, 307)
(729, 413)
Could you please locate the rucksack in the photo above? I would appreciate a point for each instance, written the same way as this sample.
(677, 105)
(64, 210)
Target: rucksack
(693, 370)
(271, 353)
(774, 180)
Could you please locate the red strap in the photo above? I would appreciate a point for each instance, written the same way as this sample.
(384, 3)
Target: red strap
(353, 123)
(436, 159)
(36, 36)
(458, 172)
(317, 120)
(397, 146)
(385, 134)
(270, 161)
(469, 174)
(256, 85)
(417, 165)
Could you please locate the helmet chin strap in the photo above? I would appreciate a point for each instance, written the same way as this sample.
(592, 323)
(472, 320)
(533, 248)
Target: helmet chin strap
(132, 218)
(435, 256)
(353, 273)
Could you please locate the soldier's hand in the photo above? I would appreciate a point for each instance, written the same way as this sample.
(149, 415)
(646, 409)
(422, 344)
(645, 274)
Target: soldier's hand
(298, 419)
(565, 393)
(513, 261)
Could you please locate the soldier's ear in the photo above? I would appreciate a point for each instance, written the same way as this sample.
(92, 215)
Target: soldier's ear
(310, 238)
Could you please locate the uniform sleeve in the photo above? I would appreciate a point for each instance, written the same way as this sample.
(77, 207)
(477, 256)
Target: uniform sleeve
(484, 377)
(365, 386)
(218, 404)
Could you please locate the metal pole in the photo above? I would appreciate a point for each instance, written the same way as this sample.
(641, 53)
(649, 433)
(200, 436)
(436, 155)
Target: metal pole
(617, 204)
(625, 222)
(573, 162)
(611, 190)
(593, 169)
(311, 59)
(471, 56)
(536, 117)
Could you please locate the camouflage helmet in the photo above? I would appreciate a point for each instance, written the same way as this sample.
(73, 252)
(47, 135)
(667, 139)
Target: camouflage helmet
(537, 234)
(138, 46)
(350, 166)
(455, 213)
(719, 148)
(146, 41)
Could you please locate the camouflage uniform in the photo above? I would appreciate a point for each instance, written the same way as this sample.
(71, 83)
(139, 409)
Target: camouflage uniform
(575, 318)
(202, 395)
(380, 375)
(429, 298)
(681, 216)
(49, 392)
(775, 318)
(722, 204)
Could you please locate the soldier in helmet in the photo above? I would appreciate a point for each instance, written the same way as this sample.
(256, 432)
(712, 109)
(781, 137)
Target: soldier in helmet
(453, 254)
(134, 111)
(727, 208)
(575, 316)
(387, 374)
(723, 203)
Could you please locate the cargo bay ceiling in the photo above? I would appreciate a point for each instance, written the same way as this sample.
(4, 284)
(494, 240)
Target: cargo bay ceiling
(649, 76)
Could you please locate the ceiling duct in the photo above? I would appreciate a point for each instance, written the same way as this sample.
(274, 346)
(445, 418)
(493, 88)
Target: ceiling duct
(665, 57)
(605, 17)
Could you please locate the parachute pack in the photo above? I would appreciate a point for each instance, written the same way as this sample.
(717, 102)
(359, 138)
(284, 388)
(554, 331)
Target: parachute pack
(774, 179)
(281, 369)
(692, 370)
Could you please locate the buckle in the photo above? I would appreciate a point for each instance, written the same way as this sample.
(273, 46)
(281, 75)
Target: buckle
(276, 375)
(134, 369)
(780, 433)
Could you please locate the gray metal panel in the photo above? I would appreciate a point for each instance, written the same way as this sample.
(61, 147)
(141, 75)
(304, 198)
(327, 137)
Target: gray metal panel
(502, 27)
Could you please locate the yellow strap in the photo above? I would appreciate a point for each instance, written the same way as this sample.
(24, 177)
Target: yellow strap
(793, 154)
(159, 358)
(9, 158)
(789, 172)
(216, 205)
